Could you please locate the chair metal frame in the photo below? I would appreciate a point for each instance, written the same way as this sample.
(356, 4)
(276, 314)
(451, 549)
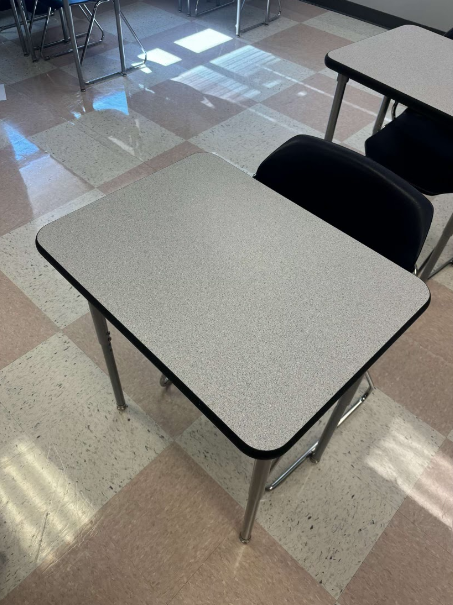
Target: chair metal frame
(240, 5)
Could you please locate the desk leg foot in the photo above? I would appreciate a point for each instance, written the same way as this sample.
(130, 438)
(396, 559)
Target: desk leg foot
(260, 474)
(164, 381)
(103, 334)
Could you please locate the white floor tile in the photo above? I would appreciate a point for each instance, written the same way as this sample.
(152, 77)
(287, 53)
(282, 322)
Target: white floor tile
(128, 131)
(248, 138)
(83, 155)
(65, 403)
(22, 263)
(14, 67)
(343, 26)
(329, 516)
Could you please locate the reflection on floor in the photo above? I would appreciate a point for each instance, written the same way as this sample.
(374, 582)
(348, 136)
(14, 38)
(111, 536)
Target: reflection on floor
(98, 507)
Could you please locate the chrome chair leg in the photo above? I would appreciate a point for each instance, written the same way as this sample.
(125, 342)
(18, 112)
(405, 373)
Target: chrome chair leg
(426, 271)
(28, 39)
(18, 25)
(324, 439)
(44, 31)
(90, 29)
(336, 106)
(64, 28)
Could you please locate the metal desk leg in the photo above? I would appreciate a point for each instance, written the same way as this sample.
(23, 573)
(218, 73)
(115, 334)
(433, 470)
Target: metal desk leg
(381, 114)
(20, 33)
(28, 38)
(260, 474)
(334, 421)
(103, 334)
(164, 381)
(73, 38)
(336, 105)
(117, 7)
(426, 271)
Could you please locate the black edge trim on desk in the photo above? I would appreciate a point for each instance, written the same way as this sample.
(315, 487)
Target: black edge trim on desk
(237, 441)
(383, 89)
(365, 13)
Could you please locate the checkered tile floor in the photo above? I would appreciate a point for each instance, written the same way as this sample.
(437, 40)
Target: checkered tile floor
(98, 507)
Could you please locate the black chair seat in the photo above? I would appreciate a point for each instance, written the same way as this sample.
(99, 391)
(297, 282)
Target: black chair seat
(417, 148)
(353, 193)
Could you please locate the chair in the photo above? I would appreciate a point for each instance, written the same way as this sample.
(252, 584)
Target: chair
(65, 9)
(57, 5)
(419, 149)
(361, 198)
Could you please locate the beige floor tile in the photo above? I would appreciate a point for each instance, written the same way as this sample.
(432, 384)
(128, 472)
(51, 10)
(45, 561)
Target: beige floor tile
(445, 277)
(248, 138)
(419, 380)
(180, 108)
(430, 503)
(310, 103)
(22, 263)
(303, 44)
(22, 324)
(257, 573)
(152, 536)
(406, 567)
(140, 379)
(296, 10)
(434, 329)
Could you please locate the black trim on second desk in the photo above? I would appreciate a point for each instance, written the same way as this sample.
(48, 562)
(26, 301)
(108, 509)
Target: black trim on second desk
(365, 13)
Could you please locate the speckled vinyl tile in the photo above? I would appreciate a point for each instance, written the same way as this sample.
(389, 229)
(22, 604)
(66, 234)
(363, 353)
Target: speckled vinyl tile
(76, 421)
(129, 132)
(387, 446)
(445, 277)
(140, 379)
(225, 20)
(311, 53)
(346, 27)
(14, 67)
(144, 18)
(260, 71)
(41, 508)
(261, 572)
(430, 503)
(22, 324)
(324, 516)
(406, 567)
(83, 154)
(419, 380)
(22, 263)
(247, 139)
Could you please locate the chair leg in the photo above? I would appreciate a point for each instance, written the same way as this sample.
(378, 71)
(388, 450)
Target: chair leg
(20, 33)
(44, 32)
(28, 39)
(336, 106)
(73, 38)
(334, 421)
(64, 29)
(426, 270)
(309, 452)
(90, 29)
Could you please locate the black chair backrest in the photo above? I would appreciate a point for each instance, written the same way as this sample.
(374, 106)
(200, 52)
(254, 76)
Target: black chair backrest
(352, 193)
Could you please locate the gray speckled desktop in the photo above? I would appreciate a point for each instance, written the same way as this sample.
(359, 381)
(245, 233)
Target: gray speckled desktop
(409, 64)
(260, 310)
